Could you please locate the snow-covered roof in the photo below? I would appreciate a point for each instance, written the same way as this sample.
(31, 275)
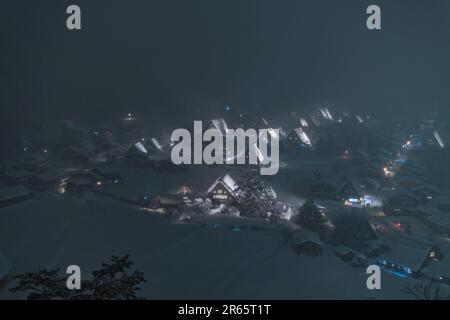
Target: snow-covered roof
(385, 152)
(438, 138)
(328, 114)
(360, 120)
(17, 174)
(344, 250)
(45, 177)
(302, 235)
(440, 268)
(362, 186)
(140, 147)
(302, 136)
(401, 194)
(428, 210)
(426, 189)
(442, 219)
(220, 125)
(13, 192)
(369, 165)
(227, 181)
(361, 153)
(409, 255)
(408, 182)
(80, 181)
(303, 122)
(156, 143)
(77, 149)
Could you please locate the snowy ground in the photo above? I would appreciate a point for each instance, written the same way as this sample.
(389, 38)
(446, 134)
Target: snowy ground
(179, 261)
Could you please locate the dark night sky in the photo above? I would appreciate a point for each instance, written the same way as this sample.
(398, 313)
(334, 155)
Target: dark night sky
(160, 56)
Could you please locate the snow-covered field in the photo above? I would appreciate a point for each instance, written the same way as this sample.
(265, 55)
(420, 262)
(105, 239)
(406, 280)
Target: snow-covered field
(180, 261)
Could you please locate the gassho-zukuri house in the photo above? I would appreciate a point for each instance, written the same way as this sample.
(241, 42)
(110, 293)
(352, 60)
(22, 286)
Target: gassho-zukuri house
(223, 190)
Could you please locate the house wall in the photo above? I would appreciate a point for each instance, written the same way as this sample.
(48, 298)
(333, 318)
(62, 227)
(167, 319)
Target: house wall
(220, 194)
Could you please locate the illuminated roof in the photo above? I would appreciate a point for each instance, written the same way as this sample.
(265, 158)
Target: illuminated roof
(438, 139)
(303, 136)
(303, 122)
(227, 182)
(156, 144)
(13, 192)
(140, 147)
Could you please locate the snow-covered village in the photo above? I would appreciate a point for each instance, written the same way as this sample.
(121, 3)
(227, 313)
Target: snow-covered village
(350, 192)
(120, 178)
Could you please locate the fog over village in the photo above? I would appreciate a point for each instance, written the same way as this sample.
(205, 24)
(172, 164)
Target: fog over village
(361, 117)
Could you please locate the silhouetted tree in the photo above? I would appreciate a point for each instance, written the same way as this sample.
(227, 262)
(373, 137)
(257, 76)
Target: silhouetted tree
(110, 282)
(255, 198)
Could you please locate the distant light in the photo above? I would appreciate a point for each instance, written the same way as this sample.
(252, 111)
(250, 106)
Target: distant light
(99, 183)
(130, 115)
(45, 150)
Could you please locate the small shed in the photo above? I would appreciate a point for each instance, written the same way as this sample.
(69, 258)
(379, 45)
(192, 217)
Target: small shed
(307, 243)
